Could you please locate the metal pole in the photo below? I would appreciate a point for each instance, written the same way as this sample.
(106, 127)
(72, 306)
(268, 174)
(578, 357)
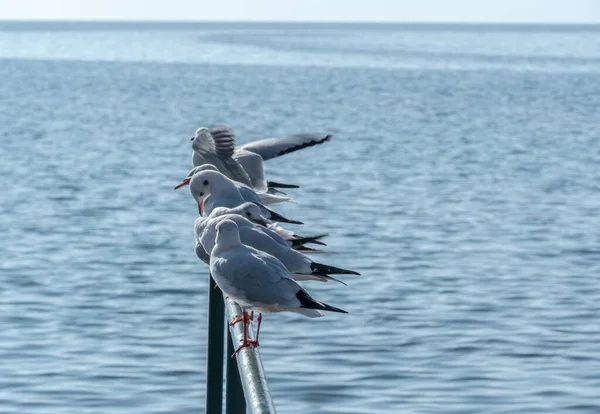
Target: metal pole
(214, 362)
(252, 374)
(234, 393)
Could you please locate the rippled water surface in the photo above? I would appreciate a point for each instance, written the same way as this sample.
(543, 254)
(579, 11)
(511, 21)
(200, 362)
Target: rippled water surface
(463, 182)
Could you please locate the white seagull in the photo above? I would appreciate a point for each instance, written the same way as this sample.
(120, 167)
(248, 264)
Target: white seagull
(248, 193)
(211, 189)
(257, 281)
(250, 212)
(216, 145)
(300, 266)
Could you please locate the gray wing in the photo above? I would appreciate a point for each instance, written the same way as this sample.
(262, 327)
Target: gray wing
(198, 160)
(223, 141)
(202, 254)
(248, 194)
(274, 236)
(216, 146)
(254, 237)
(216, 141)
(236, 172)
(269, 148)
(207, 238)
(254, 167)
(257, 277)
(224, 145)
(199, 230)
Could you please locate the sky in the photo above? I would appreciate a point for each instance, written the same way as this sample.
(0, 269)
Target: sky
(498, 11)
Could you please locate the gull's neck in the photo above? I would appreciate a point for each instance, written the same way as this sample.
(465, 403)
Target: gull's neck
(228, 242)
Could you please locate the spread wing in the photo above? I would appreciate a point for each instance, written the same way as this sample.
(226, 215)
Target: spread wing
(218, 140)
(275, 147)
(223, 141)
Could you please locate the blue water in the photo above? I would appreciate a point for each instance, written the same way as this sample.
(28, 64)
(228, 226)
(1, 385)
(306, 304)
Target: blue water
(463, 182)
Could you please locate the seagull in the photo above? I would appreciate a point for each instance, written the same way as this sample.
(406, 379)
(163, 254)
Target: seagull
(212, 189)
(245, 164)
(251, 212)
(216, 146)
(300, 266)
(248, 193)
(257, 281)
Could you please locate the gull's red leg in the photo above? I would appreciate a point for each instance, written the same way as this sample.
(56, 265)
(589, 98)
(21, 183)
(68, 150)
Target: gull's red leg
(235, 320)
(245, 342)
(239, 318)
(255, 340)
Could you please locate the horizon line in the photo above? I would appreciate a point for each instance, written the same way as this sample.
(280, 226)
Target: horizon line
(406, 22)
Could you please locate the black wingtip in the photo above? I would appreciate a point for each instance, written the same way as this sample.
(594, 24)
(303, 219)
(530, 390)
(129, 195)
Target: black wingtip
(322, 269)
(320, 243)
(278, 217)
(307, 302)
(305, 145)
(299, 240)
(275, 184)
(284, 220)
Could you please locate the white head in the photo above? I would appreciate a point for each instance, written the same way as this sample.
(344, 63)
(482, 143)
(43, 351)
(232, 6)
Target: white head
(202, 134)
(194, 171)
(201, 185)
(227, 234)
(251, 212)
(205, 183)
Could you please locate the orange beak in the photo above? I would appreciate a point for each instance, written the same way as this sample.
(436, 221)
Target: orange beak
(185, 181)
(200, 205)
(261, 222)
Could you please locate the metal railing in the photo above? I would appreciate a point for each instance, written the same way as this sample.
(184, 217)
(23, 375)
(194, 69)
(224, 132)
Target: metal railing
(246, 388)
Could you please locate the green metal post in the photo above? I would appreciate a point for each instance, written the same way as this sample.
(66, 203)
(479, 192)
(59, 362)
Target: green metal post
(235, 403)
(214, 363)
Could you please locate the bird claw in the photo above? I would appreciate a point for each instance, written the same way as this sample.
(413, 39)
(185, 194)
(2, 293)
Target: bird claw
(235, 320)
(246, 318)
(250, 342)
(240, 318)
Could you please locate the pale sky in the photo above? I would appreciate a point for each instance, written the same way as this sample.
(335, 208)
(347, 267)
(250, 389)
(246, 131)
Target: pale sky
(536, 11)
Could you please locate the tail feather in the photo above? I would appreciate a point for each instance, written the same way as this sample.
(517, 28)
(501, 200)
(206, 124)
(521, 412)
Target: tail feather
(308, 250)
(321, 269)
(274, 184)
(307, 302)
(321, 278)
(308, 239)
(267, 198)
(271, 190)
(278, 217)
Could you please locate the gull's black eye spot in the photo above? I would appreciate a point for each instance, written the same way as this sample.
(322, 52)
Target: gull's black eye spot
(205, 182)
